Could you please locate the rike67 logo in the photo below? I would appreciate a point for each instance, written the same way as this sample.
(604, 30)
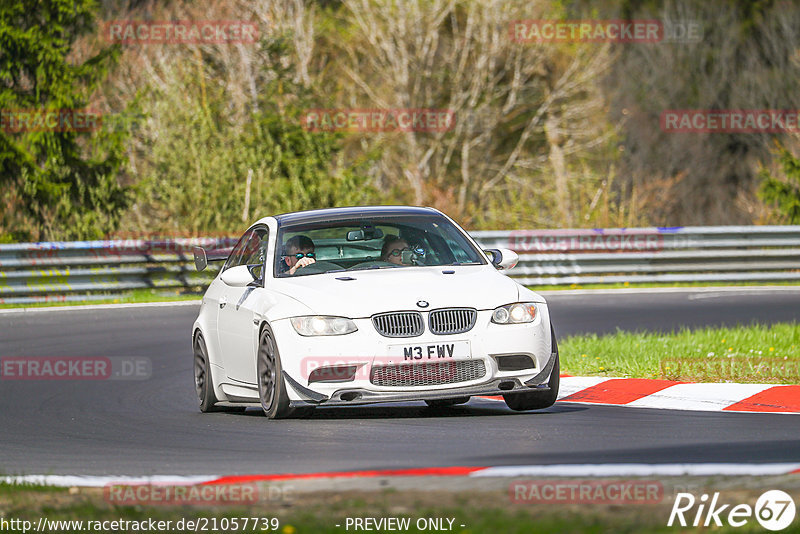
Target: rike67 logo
(774, 510)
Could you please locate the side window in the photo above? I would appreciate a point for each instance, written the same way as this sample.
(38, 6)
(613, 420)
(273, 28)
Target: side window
(255, 253)
(237, 253)
(250, 250)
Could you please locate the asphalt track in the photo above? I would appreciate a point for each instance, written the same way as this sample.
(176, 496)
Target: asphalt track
(153, 427)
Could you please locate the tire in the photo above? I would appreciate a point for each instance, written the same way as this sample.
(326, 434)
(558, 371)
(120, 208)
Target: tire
(271, 386)
(203, 381)
(538, 400)
(443, 403)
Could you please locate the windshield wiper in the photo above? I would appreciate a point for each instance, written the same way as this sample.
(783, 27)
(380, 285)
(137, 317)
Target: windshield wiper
(373, 267)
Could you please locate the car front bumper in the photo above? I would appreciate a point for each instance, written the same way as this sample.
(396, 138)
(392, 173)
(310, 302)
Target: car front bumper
(368, 350)
(348, 396)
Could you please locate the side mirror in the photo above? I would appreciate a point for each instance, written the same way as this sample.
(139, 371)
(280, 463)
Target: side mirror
(239, 276)
(200, 258)
(502, 258)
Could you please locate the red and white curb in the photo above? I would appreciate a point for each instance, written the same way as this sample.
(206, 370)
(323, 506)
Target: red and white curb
(667, 394)
(558, 470)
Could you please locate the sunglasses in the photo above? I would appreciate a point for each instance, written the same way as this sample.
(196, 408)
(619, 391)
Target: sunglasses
(300, 255)
(398, 251)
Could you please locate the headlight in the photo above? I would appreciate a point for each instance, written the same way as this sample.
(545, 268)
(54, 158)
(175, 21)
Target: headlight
(320, 325)
(521, 312)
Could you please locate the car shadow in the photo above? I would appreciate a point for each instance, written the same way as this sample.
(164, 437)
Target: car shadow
(414, 410)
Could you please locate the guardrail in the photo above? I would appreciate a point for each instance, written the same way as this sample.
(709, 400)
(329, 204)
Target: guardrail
(69, 270)
(646, 255)
(64, 271)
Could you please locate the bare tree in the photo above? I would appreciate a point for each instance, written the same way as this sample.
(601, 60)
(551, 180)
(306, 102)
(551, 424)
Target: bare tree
(524, 110)
(746, 59)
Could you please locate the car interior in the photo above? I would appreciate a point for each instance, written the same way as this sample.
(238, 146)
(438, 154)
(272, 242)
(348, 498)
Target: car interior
(350, 247)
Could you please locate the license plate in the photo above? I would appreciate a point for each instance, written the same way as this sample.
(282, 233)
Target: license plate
(454, 350)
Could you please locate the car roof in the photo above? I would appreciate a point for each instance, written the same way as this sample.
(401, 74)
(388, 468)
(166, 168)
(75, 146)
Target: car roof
(332, 214)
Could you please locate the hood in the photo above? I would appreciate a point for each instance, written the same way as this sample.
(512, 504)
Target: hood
(358, 294)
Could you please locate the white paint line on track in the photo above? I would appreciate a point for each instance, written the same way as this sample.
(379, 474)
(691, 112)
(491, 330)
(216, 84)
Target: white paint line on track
(65, 481)
(636, 290)
(558, 470)
(700, 397)
(713, 292)
(633, 470)
(90, 307)
(704, 397)
(573, 384)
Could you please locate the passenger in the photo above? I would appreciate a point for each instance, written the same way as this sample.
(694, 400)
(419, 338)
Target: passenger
(298, 253)
(393, 247)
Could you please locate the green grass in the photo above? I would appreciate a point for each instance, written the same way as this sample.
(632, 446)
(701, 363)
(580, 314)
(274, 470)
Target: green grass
(135, 296)
(754, 354)
(7, 489)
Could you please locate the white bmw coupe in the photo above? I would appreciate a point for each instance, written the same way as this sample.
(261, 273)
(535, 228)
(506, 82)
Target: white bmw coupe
(349, 306)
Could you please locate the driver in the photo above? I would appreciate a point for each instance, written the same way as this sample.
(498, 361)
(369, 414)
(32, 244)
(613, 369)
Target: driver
(298, 253)
(392, 250)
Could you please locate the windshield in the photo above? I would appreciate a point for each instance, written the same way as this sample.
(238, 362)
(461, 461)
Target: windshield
(372, 243)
